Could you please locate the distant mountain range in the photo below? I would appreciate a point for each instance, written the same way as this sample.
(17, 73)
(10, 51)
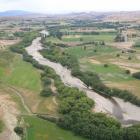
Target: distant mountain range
(105, 16)
(15, 13)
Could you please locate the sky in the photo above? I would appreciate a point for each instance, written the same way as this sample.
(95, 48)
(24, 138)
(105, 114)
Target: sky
(66, 6)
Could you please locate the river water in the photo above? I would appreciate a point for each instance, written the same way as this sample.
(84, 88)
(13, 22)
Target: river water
(125, 112)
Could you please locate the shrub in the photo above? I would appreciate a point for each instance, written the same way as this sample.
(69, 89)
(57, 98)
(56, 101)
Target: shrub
(127, 72)
(136, 75)
(129, 58)
(19, 130)
(95, 50)
(137, 44)
(118, 55)
(46, 80)
(46, 92)
(131, 51)
(106, 65)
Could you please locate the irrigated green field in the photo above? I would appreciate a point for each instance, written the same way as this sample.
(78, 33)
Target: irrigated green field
(16, 72)
(94, 58)
(87, 38)
(80, 52)
(38, 129)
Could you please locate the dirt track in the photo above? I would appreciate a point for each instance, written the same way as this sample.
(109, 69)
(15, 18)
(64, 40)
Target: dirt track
(10, 113)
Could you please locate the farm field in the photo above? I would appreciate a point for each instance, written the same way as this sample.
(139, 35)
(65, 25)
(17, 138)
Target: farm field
(14, 71)
(74, 40)
(45, 130)
(87, 38)
(25, 79)
(94, 58)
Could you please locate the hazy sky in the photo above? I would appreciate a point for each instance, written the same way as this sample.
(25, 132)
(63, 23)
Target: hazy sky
(61, 6)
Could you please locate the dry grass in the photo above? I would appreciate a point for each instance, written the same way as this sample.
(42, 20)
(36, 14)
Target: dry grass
(121, 45)
(133, 86)
(5, 43)
(94, 61)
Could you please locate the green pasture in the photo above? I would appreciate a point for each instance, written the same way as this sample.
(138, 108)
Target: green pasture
(38, 129)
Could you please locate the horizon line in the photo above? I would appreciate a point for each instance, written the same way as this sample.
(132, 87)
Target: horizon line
(70, 12)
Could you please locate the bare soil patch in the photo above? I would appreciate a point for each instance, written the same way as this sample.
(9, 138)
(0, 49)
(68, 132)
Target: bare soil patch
(121, 45)
(94, 61)
(132, 66)
(9, 113)
(132, 86)
(4, 43)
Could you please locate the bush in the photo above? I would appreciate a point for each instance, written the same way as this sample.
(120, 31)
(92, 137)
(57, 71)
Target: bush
(106, 65)
(129, 58)
(127, 72)
(46, 81)
(46, 92)
(131, 51)
(19, 130)
(137, 44)
(118, 55)
(95, 50)
(136, 75)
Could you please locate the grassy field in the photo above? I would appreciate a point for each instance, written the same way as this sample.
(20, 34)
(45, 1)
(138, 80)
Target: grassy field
(54, 39)
(26, 79)
(111, 73)
(48, 105)
(79, 51)
(114, 75)
(1, 125)
(39, 129)
(88, 38)
(16, 72)
(85, 38)
(6, 90)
